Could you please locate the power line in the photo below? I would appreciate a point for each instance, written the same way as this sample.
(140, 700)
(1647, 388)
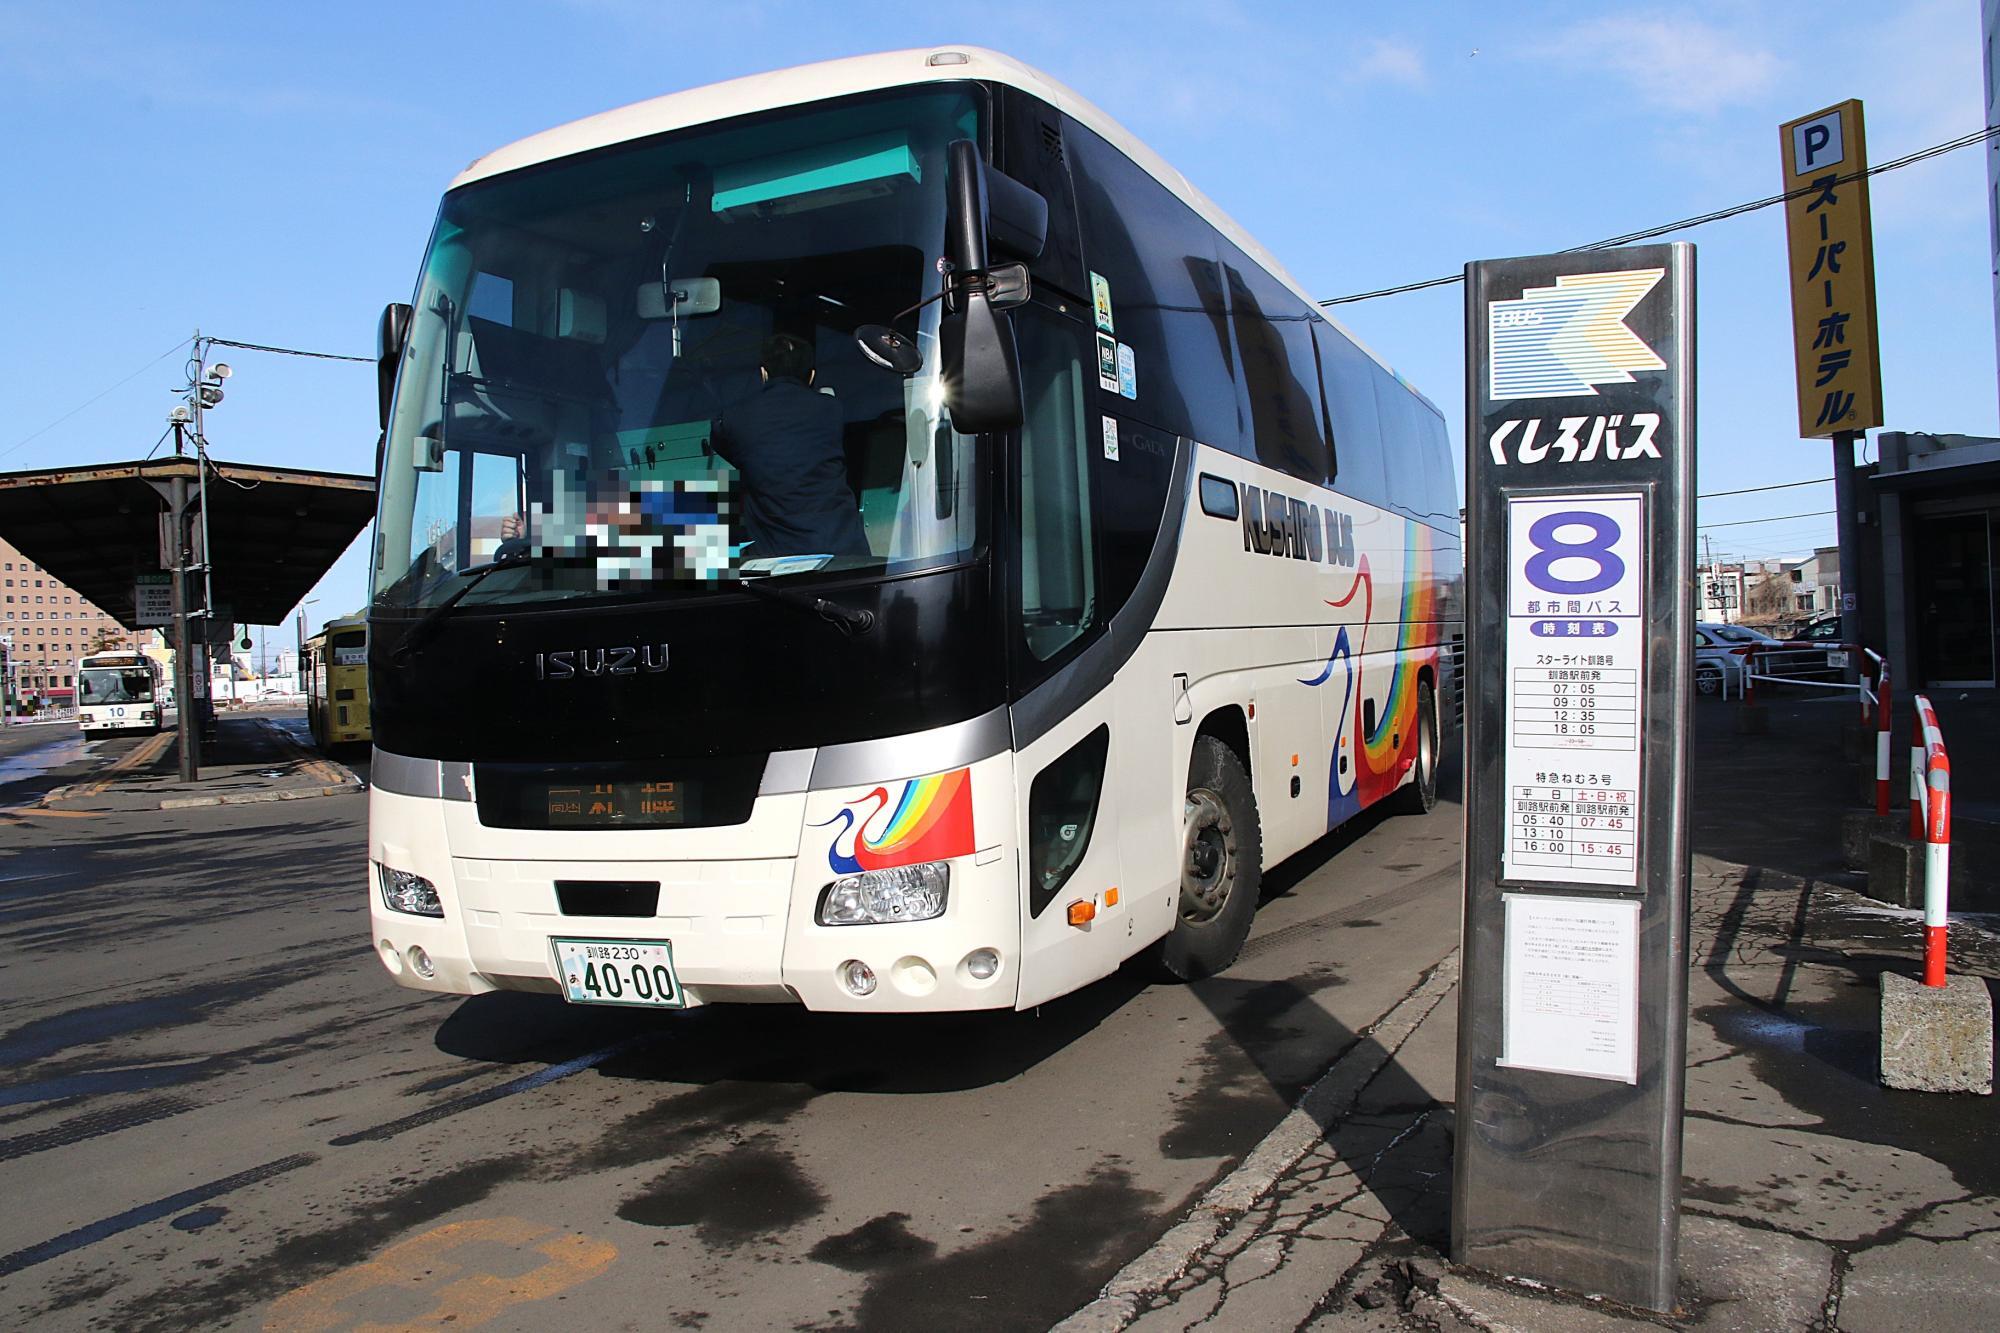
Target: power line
(1751, 490)
(88, 401)
(288, 351)
(1735, 210)
(1775, 518)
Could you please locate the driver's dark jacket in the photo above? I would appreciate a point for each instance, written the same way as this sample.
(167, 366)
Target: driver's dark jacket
(785, 441)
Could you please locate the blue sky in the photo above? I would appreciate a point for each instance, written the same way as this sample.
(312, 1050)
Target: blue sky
(269, 173)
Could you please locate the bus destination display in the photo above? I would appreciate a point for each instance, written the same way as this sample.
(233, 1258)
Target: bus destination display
(622, 804)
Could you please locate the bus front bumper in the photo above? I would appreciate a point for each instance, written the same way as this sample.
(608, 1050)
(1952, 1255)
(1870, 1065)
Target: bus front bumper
(741, 930)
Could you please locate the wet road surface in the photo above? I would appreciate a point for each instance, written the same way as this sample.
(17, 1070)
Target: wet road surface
(217, 1111)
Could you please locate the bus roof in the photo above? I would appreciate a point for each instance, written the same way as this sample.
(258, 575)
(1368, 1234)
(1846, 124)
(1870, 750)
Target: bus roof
(357, 620)
(860, 74)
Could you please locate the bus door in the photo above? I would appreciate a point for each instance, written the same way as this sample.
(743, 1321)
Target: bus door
(1075, 922)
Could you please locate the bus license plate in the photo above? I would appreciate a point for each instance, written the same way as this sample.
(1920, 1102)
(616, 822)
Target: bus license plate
(634, 972)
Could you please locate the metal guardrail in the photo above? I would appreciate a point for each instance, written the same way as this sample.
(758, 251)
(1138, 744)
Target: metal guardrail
(1872, 694)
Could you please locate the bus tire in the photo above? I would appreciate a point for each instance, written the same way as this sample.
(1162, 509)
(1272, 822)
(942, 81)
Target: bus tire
(1419, 796)
(1222, 859)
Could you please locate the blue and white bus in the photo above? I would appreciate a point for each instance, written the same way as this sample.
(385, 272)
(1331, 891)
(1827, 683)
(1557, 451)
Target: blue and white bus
(1153, 574)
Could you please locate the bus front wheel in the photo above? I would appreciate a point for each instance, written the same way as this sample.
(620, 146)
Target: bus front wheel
(1222, 854)
(1420, 795)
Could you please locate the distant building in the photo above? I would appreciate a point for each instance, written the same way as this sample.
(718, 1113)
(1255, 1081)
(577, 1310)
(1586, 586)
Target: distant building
(1721, 587)
(51, 626)
(1816, 582)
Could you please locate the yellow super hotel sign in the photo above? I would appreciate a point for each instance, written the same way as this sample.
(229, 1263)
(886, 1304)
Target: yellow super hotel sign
(1832, 254)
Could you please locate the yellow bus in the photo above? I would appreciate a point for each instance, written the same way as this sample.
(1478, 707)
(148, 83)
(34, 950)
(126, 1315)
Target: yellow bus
(336, 665)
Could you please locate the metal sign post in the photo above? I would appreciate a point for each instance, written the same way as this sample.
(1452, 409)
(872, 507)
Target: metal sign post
(1573, 1010)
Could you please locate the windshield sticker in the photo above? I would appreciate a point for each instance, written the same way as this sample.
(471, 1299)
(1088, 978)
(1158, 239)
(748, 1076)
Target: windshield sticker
(636, 534)
(1100, 300)
(1128, 372)
(901, 824)
(1107, 363)
(1111, 439)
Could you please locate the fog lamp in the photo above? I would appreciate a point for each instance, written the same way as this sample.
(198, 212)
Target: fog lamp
(906, 893)
(405, 892)
(981, 964)
(857, 977)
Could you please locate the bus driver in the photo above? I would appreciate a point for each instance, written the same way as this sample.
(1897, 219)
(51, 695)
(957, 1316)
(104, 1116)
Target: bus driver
(785, 441)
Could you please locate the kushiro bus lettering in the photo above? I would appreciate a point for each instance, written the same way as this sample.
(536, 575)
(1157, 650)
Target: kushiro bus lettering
(1015, 736)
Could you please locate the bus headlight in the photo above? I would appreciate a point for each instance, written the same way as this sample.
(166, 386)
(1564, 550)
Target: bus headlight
(906, 893)
(404, 892)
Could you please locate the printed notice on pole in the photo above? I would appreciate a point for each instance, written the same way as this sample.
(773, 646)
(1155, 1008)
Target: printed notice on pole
(1575, 675)
(153, 600)
(1571, 992)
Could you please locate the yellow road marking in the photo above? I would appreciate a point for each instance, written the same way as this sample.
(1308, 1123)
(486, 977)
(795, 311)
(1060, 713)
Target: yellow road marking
(426, 1264)
(141, 754)
(323, 769)
(36, 812)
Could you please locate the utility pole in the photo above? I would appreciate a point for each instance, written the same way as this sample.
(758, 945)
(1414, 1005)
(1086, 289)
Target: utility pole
(187, 722)
(1847, 534)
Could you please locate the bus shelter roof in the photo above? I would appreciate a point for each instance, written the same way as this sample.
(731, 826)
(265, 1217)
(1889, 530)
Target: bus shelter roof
(272, 531)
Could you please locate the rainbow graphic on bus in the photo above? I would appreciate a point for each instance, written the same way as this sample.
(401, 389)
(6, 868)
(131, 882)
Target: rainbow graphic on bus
(930, 819)
(1385, 753)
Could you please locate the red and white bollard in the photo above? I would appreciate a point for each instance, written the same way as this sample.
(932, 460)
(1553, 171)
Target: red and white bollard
(1930, 819)
(1882, 730)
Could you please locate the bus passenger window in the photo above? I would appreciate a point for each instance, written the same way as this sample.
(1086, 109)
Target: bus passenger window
(1058, 574)
(1348, 375)
(1280, 381)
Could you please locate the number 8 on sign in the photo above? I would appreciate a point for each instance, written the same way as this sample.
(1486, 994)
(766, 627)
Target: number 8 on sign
(1550, 549)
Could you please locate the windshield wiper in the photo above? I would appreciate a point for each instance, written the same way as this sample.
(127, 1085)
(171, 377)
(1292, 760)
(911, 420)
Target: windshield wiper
(421, 632)
(848, 620)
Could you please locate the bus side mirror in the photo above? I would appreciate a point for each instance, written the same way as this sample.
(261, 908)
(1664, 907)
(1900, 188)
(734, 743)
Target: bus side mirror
(390, 337)
(980, 366)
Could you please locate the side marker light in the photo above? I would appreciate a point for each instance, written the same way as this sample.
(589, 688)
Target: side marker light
(1083, 913)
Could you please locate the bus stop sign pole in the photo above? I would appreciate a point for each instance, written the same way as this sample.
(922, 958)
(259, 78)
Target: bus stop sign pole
(1573, 1009)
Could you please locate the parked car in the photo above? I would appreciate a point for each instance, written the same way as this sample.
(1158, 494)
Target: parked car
(1787, 658)
(1718, 667)
(1822, 627)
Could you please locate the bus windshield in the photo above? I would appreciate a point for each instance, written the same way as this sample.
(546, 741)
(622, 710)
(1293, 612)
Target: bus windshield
(634, 371)
(115, 685)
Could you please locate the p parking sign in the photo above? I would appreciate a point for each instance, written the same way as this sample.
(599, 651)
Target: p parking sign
(1572, 1026)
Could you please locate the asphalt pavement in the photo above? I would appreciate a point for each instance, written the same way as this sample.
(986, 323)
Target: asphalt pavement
(216, 1111)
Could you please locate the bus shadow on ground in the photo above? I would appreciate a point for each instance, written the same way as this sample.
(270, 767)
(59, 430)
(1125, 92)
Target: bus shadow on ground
(787, 1044)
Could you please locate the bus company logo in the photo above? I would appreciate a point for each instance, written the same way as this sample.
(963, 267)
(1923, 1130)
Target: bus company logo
(1563, 341)
(1577, 439)
(927, 819)
(568, 664)
(1277, 524)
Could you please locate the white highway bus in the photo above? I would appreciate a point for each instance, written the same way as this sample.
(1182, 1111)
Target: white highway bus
(118, 692)
(1087, 572)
